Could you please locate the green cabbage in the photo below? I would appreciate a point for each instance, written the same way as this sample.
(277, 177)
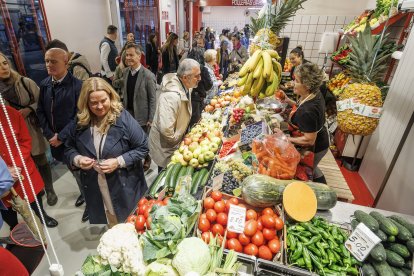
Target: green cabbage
(193, 256)
(161, 267)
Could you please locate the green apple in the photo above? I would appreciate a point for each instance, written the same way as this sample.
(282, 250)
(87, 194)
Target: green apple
(188, 155)
(209, 155)
(182, 148)
(213, 147)
(193, 163)
(201, 159)
(174, 159)
(176, 152)
(196, 152)
(193, 146)
(216, 140)
(205, 142)
(205, 148)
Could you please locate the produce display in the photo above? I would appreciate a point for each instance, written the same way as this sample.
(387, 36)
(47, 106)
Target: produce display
(394, 254)
(341, 56)
(318, 246)
(337, 83)
(259, 237)
(299, 201)
(222, 101)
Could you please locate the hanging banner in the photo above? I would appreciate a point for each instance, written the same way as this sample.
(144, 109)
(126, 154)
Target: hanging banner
(235, 3)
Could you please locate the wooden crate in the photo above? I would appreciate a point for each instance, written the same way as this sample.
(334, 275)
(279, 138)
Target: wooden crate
(334, 177)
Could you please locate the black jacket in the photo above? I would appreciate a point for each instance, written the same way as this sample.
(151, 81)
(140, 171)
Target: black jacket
(205, 84)
(166, 62)
(152, 57)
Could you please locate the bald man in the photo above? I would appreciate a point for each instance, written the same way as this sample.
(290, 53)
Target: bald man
(57, 105)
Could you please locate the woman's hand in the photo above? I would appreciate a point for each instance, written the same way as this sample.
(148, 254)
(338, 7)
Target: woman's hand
(109, 165)
(15, 173)
(86, 163)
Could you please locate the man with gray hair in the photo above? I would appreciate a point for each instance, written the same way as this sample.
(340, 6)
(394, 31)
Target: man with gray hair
(173, 112)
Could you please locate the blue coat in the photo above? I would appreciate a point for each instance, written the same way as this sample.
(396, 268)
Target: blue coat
(6, 182)
(126, 185)
(57, 109)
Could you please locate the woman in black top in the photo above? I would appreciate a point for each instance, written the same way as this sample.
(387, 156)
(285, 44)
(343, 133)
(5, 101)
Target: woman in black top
(169, 54)
(307, 119)
(152, 54)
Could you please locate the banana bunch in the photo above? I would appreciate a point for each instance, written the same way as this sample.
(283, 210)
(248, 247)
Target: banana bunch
(261, 74)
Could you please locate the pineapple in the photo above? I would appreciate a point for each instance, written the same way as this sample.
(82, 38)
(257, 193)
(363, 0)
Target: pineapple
(268, 27)
(365, 69)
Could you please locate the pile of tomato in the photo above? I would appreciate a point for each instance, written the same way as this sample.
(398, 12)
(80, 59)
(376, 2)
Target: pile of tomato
(260, 233)
(142, 220)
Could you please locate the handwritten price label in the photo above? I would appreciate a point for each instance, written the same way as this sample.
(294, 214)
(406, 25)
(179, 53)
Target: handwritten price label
(361, 242)
(236, 219)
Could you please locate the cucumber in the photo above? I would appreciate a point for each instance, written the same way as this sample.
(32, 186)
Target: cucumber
(391, 239)
(380, 234)
(204, 180)
(403, 233)
(172, 181)
(354, 224)
(194, 180)
(383, 269)
(405, 223)
(156, 184)
(378, 253)
(168, 176)
(410, 245)
(394, 259)
(190, 171)
(397, 271)
(201, 174)
(400, 249)
(368, 270)
(385, 223)
(366, 219)
(181, 173)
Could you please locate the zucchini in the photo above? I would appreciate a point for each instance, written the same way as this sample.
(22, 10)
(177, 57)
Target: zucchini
(394, 259)
(380, 234)
(366, 219)
(383, 269)
(400, 249)
(403, 233)
(378, 253)
(156, 184)
(385, 223)
(354, 224)
(172, 181)
(194, 180)
(405, 223)
(410, 245)
(200, 177)
(397, 271)
(368, 270)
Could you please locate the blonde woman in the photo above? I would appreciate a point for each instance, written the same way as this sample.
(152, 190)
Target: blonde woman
(108, 145)
(210, 57)
(22, 94)
(170, 55)
(184, 46)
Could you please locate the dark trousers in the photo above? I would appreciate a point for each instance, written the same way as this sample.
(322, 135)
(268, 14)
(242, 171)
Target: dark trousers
(10, 216)
(146, 129)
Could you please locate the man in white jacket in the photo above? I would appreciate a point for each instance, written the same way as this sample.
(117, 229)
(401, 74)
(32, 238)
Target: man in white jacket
(173, 112)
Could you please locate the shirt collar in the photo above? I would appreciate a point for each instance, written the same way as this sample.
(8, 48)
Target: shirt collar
(59, 80)
(134, 71)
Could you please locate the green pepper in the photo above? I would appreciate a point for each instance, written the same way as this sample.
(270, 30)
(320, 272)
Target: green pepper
(331, 256)
(310, 228)
(298, 252)
(324, 234)
(291, 241)
(322, 250)
(316, 261)
(301, 238)
(306, 234)
(338, 258)
(325, 245)
(352, 270)
(296, 228)
(355, 262)
(315, 250)
(313, 240)
(345, 251)
(300, 262)
(307, 259)
(336, 268)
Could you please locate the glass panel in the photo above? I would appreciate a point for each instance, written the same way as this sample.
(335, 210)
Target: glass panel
(4, 42)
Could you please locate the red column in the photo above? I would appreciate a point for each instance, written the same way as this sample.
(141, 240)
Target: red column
(196, 17)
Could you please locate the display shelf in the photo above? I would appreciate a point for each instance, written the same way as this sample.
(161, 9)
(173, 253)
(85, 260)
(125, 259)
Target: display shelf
(388, 23)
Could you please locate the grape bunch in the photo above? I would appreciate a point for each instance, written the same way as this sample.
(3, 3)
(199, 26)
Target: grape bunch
(229, 183)
(235, 171)
(238, 114)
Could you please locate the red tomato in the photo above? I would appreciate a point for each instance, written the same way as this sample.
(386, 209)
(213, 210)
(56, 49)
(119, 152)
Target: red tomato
(132, 219)
(259, 224)
(159, 203)
(244, 240)
(203, 216)
(268, 221)
(219, 206)
(250, 228)
(148, 222)
(166, 200)
(142, 201)
(235, 245)
(231, 235)
(211, 215)
(146, 213)
(206, 237)
(216, 195)
(251, 249)
(274, 246)
(269, 234)
(140, 223)
(151, 201)
(142, 209)
(268, 211)
(265, 253)
(279, 224)
(222, 218)
(251, 214)
(204, 225)
(258, 239)
(217, 229)
(208, 203)
(242, 205)
(233, 201)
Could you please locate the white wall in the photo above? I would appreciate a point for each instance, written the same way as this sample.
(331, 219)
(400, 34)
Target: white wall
(219, 18)
(169, 6)
(80, 24)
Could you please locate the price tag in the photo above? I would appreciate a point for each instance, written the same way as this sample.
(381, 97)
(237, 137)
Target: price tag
(361, 242)
(218, 182)
(236, 219)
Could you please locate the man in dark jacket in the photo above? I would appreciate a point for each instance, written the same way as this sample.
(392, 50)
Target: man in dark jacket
(139, 91)
(56, 108)
(108, 53)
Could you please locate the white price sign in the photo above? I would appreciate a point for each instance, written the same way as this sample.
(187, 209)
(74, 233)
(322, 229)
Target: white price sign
(218, 182)
(361, 242)
(236, 219)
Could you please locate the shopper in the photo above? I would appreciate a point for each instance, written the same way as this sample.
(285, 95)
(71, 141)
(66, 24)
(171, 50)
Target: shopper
(129, 39)
(108, 53)
(199, 92)
(118, 80)
(56, 108)
(24, 140)
(238, 55)
(6, 182)
(223, 59)
(107, 144)
(169, 54)
(152, 54)
(210, 57)
(307, 119)
(297, 58)
(173, 112)
(23, 94)
(139, 90)
(184, 46)
(209, 39)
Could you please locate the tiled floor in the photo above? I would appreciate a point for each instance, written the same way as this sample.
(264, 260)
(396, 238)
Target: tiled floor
(73, 240)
